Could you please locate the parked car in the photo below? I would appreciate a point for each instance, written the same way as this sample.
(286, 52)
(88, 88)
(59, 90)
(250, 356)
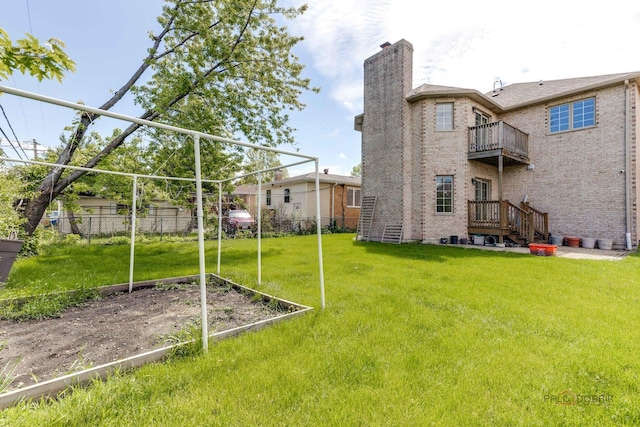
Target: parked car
(238, 219)
(53, 218)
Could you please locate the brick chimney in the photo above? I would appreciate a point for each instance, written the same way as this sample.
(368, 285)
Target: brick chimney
(277, 175)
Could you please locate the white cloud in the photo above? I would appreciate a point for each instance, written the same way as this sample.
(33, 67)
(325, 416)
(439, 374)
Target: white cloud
(458, 43)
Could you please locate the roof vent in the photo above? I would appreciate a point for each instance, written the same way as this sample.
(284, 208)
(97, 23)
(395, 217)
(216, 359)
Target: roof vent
(326, 171)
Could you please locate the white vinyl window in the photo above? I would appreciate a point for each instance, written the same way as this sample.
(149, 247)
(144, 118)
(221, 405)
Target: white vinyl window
(353, 197)
(444, 194)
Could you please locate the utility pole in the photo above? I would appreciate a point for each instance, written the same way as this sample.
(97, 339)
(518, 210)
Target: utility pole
(30, 148)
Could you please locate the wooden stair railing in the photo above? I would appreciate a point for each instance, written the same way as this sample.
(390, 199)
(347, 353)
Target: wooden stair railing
(540, 220)
(522, 222)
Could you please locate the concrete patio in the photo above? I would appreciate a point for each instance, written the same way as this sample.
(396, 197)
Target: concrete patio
(565, 252)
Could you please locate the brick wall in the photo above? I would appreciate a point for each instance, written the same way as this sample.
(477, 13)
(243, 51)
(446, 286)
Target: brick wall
(343, 215)
(576, 176)
(387, 79)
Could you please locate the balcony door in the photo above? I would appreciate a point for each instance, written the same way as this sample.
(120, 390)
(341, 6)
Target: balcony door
(483, 194)
(482, 133)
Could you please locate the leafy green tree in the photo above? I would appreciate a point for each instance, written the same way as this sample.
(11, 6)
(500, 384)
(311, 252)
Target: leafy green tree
(41, 61)
(29, 56)
(357, 170)
(223, 67)
(10, 186)
(257, 160)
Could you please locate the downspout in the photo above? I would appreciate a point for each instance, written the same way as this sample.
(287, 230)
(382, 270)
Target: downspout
(343, 206)
(333, 203)
(627, 167)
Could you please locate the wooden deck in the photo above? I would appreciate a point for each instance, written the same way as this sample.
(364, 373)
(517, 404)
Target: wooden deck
(504, 219)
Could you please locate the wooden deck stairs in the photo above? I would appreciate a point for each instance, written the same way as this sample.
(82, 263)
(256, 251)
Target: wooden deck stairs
(521, 224)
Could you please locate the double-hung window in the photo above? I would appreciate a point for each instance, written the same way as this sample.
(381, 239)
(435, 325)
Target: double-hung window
(287, 195)
(268, 197)
(571, 116)
(444, 194)
(444, 116)
(353, 197)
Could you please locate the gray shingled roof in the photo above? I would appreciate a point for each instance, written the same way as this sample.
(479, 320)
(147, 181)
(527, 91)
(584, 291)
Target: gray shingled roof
(527, 93)
(324, 177)
(521, 94)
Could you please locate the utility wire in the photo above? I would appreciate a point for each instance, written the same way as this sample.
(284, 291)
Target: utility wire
(13, 132)
(29, 15)
(11, 143)
(9, 123)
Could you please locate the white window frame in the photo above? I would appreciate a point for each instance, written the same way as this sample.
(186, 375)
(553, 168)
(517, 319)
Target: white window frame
(354, 197)
(444, 192)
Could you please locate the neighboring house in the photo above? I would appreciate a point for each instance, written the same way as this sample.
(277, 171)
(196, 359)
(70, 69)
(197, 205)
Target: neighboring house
(243, 197)
(519, 162)
(100, 216)
(295, 198)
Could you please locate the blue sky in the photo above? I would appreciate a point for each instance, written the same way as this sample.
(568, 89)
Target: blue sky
(458, 43)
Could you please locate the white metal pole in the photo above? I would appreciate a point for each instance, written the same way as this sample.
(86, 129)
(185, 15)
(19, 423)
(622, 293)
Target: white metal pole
(200, 216)
(318, 228)
(259, 229)
(219, 224)
(134, 208)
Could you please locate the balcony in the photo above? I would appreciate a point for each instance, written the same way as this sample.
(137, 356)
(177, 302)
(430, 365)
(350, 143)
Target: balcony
(490, 141)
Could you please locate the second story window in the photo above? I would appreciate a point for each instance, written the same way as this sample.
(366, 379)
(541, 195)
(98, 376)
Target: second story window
(444, 116)
(571, 116)
(287, 195)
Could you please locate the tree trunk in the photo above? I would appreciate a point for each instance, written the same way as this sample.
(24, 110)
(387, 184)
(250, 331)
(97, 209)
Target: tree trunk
(73, 223)
(54, 185)
(51, 187)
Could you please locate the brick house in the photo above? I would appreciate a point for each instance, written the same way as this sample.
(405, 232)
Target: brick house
(295, 198)
(519, 162)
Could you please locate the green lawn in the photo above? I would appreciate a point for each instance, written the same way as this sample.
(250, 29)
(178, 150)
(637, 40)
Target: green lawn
(412, 335)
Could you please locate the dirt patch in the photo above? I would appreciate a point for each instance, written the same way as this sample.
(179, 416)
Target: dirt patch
(118, 326)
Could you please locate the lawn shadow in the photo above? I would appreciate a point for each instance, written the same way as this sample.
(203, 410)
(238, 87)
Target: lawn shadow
(430, 252)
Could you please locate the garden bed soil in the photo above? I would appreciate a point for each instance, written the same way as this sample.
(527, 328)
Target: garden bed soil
(118, 326)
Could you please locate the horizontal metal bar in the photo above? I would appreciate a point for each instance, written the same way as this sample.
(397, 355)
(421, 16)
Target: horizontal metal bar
(76, 106)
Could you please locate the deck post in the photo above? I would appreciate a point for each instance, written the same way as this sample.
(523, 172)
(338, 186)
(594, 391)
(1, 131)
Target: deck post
(530, 227)
(504, 222)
